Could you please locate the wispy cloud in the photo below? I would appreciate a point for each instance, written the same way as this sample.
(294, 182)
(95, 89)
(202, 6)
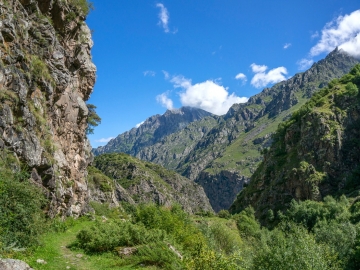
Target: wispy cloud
(164, 17)
(209, 95)
(242, 77)
(287, 45)
(263, 78)
(315, 35)
(104, 140)
(149, 73)
(341, 32)
(304, 63)
(165, 101)
(138, 125)
(166, 74)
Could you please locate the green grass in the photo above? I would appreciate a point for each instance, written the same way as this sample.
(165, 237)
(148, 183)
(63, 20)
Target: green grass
(58, 255)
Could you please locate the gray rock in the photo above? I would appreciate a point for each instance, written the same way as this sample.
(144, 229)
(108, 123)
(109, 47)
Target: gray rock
(10, 264)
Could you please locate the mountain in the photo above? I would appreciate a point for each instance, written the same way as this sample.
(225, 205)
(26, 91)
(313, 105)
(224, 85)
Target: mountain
(221, 153)
(120, 177)
(46, 75)
(224, 160)
(153, 130)
(314, 154)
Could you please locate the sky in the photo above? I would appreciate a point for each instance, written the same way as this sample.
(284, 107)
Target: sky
(157, 55)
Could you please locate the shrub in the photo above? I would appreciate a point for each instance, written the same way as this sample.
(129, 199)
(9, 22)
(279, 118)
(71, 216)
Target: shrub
(106, 236)
(224, 214)
(21, 216)
(291, 247)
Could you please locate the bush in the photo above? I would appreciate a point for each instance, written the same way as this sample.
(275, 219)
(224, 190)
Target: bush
(21, 216)
(106, 236)
(224, 214)
(290, 246)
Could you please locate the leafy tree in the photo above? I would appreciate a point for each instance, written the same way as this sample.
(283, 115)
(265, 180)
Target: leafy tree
(93, 119)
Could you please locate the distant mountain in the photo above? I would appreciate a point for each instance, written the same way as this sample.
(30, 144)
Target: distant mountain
(315, 153)
(120, 177)
(153, 131)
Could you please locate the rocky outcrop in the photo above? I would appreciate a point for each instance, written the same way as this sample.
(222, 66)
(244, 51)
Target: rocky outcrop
(314, 154)
(131, 180)
(10, 264)
(46, 75)
(152, 132)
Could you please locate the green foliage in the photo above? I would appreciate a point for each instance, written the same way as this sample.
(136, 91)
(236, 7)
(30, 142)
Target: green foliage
(93, 119)
(352, 89)
(290, 247)
(99, 180)
(83, 6)
(106, 236)
(158, 254)
(308, 213)
(21, 216)
(39, 69)
(224, 214)
(247, 224)
(174, 222)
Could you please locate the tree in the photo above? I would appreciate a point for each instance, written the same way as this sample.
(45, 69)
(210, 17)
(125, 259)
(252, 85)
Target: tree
(93, 119)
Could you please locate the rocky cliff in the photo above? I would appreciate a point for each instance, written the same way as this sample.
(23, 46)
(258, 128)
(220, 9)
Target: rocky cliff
(315, 153)
(46, 75)
(119, 177)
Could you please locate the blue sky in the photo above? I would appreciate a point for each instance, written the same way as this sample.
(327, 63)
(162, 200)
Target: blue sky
(153, 55)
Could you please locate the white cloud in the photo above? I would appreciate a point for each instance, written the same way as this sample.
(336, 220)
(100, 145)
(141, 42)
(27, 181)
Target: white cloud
(165, 101)
(258, 68)
(207, 95)
(342, 32)
(261, 78)
(138, 125)
(104, 140)
(164, 18)
(287, 45)
(352, 46)
(242, 77)
(149, 73)
(304, 63)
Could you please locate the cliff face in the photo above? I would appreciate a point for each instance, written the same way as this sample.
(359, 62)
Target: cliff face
(46, 75)
(315, 153)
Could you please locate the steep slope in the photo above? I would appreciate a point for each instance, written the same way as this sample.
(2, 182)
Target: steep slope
(152, 131)
(136, 181)
(314, 154)
(46, 75)
(224, 159)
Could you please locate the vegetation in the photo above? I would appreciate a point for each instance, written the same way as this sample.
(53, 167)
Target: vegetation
(310, 235)
(21, 203)
(93, 119)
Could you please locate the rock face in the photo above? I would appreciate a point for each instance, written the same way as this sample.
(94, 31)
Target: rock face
(46, 75)
(314, 154)
(134, 181)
